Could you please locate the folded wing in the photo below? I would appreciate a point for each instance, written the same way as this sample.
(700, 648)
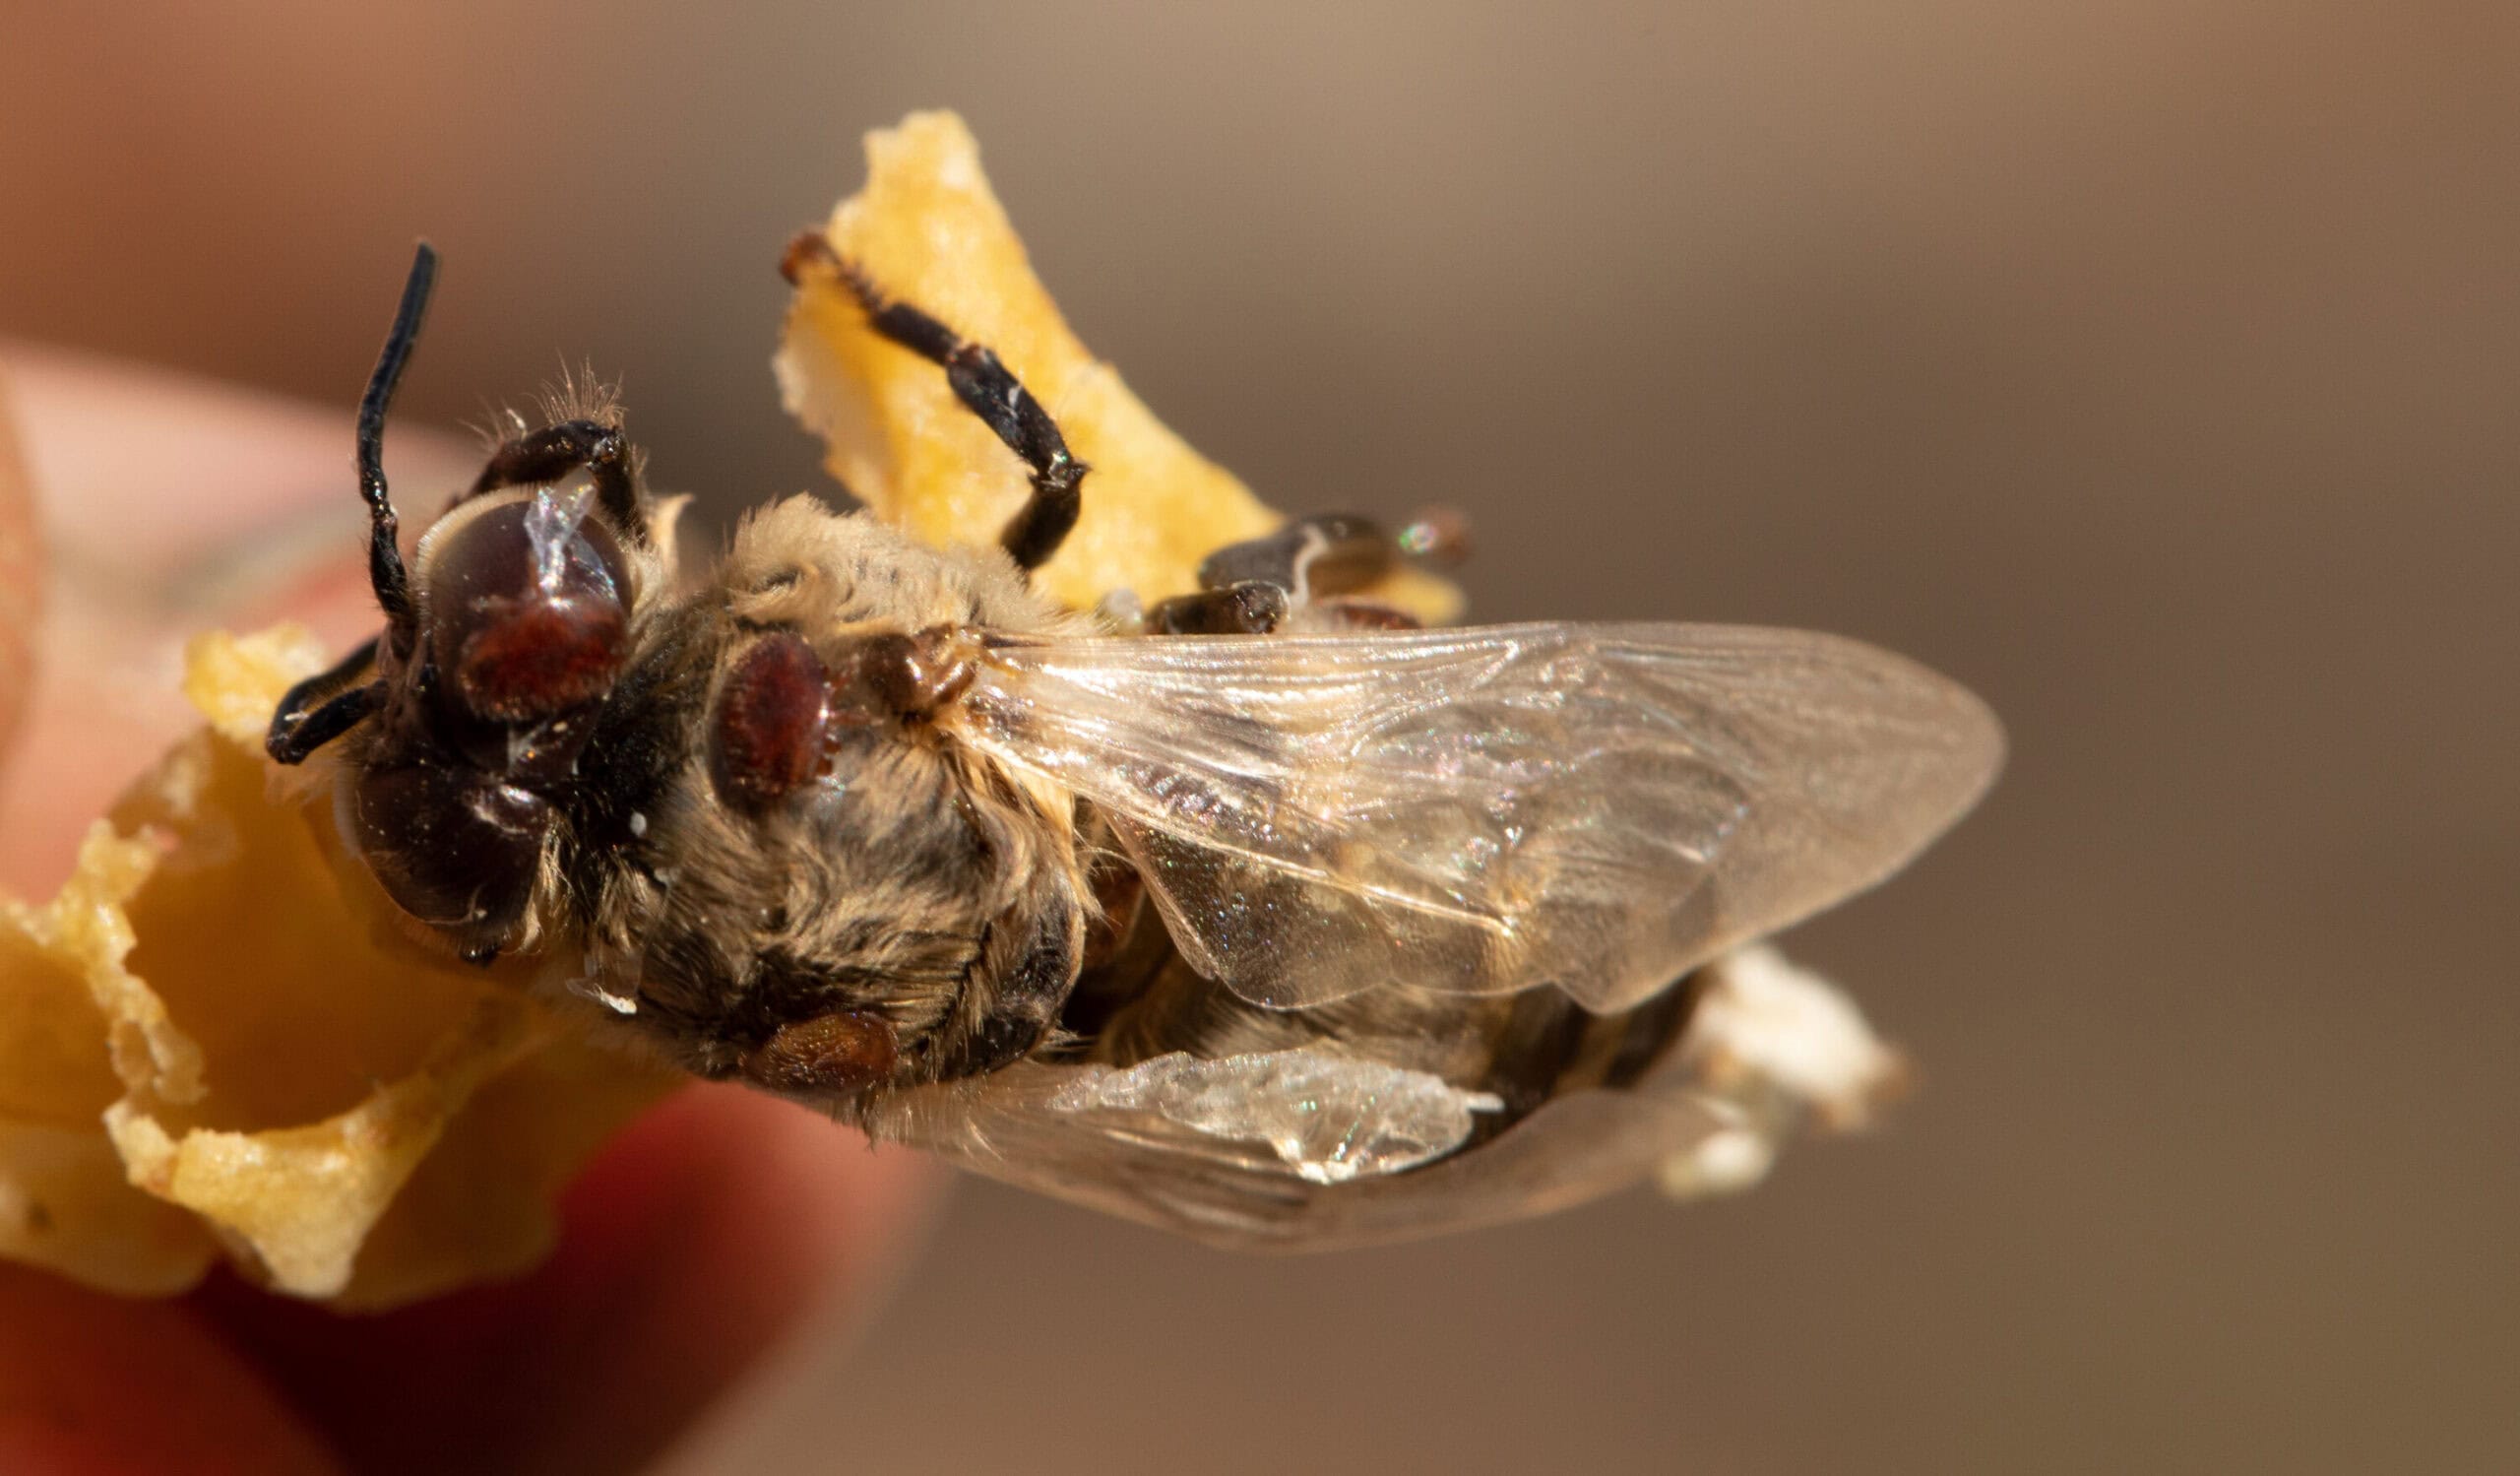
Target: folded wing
(1598, 807)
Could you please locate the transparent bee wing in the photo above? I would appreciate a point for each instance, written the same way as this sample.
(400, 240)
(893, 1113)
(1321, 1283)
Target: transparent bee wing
(1480, 811)
(1316, 1148)
(1220, 1150)
(1329, 1118)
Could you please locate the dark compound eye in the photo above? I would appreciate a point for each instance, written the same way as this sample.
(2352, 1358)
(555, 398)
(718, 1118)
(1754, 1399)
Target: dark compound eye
(528, 612)
(453, 847)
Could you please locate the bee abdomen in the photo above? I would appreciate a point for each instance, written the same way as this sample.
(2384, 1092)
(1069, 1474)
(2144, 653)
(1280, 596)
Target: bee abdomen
(1549, 1046)
(1021, 1006)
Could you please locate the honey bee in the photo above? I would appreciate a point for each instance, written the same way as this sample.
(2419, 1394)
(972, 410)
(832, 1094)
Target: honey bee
(1255, 913)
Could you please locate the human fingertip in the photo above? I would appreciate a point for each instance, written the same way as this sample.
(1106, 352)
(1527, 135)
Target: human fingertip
(99, 1385)
(20, 572)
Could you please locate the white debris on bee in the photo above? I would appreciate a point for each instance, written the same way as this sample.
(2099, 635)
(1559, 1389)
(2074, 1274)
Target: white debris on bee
(593, 989)
(1725, 1162)
(1773, 1043)
(1122, 613)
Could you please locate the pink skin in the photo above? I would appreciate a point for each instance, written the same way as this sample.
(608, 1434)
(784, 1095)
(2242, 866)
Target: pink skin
(709, 1231)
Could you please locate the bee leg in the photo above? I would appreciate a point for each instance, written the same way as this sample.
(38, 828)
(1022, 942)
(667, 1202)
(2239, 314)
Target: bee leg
(548, 454)
(1249, 588)
(1330, 553)
(1255, 606)
(1319, 559)
(322, 708)
(1311, 563)
(988, 389)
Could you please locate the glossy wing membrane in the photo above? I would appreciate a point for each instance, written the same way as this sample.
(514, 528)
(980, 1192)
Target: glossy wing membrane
(1227, 1185)
(1318, 1147)
(1602, 807)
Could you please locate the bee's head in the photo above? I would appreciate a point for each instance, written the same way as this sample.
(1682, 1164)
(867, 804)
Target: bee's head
(502, 642)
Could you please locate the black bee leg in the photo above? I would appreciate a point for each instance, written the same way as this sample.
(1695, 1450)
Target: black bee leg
(1310, 559)
(551, 453)
(1255, 606)
(1248, 588)
(1315, 562)
(991, 391)
(322, 708)
(385, 571)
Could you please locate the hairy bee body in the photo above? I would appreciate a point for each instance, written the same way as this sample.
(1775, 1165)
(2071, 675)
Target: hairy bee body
(949, 902)
(1258, 913)
(902, 879)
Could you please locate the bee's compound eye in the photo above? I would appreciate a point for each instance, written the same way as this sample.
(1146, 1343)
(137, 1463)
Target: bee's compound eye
(766, 731)
(526, 610)
(452, 848)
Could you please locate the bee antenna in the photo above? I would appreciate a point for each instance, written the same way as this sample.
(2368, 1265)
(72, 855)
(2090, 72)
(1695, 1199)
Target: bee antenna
(385, 571)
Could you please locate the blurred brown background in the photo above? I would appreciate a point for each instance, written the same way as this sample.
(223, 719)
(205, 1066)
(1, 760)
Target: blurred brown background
(2150, 365)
